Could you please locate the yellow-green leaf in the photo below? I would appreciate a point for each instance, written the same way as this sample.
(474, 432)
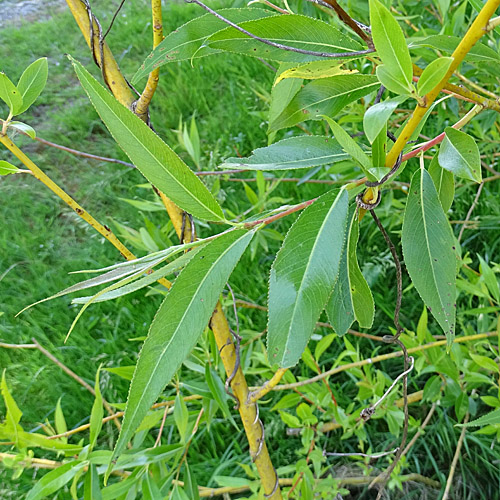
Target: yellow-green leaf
(314, 71)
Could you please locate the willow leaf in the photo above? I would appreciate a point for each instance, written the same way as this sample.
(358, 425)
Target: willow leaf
(291, 153)
(156, 161)
(303, 275)
(188, 41)
(55, 480)
(296, 31)
(324, 97)
(177, 325)
(429, 252)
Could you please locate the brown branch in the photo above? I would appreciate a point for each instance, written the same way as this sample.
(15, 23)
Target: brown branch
(469, 213)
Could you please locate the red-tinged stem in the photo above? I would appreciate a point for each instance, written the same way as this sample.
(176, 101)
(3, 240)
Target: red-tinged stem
(272, 218)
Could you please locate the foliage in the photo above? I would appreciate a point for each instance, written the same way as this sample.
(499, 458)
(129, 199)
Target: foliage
(331, 263)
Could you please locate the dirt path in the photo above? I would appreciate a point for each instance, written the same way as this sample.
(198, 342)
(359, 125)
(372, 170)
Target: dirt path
(13, 13)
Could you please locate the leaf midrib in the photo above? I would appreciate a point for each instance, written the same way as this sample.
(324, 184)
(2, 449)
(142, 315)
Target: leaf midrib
(300, 290)
(171, 176)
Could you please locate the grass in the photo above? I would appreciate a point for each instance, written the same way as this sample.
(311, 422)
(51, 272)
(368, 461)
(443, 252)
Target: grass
(41, 241)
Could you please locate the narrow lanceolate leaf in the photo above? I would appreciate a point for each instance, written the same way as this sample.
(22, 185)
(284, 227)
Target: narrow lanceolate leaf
(391, 45)
(375, 118)
(433, 74)
(294, 152)
(188, 41)
(460, 155)
(157, 162)
(315, 70)
(55, 480)
(429, 252)
(32, 82)
(91, 489)
(351, 147)
(296, 31)
(361, 295)
(303, 275)
(177, 325)
(491, 418)
(339, 307)
(96, 414)
(324, 97)
(390, 81)
(10, 94)
(10, 428)
(444, 183)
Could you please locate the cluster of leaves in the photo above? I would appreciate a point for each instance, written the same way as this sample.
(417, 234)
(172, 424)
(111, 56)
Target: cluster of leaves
(316, 268)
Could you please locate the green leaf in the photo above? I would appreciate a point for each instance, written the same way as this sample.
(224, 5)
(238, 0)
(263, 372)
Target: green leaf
(60, 421)
(460, 155)
(296, 31)
(32, 82)
(390, 43)
(444, 183)
(33, 440)
(303, 275)
(7, 168)
(149, 489)
(291, 153)
(429, 251)
(324, 97)
(55, 480)
(188, 41)
(315, 70)
(178, 323)
(478, 53)
(379, 148)
(351, 147)
(216, 387)
(490, 279)
(157, 162)
(492, 418)
(377, 115)
(181, 416)
(281, 95)
(10, 94)
(24, 128)
(339, 307)
(361, 295)
(10, 427)
(387, 78)
(433, 74)
(91, 488)
(125, 372)
(96, 414)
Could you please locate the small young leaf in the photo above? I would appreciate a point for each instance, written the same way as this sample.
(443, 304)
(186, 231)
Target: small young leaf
(157, 162)
(389, 81)
(428, 249)
(60, 421)
(315, 70)
(23, 127)
(433, 74)
(379, 148)
(444, 182)
(490, 279)
(377, 115)
(303, 275)
(55, 480)
(391, 45)
(32, 82)
(96, 414)
(177, 325)
(7, 168)
(460, 155)
(10, 94)
(324, 97)
(351, 147)
(181, 416)
(291, 153)
(10, 428)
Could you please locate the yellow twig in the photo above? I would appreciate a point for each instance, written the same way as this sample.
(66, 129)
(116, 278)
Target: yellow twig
(377, 359)
(43, 177)
(474, 33)
(142, 105)
(254, 396)
(114, 79)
